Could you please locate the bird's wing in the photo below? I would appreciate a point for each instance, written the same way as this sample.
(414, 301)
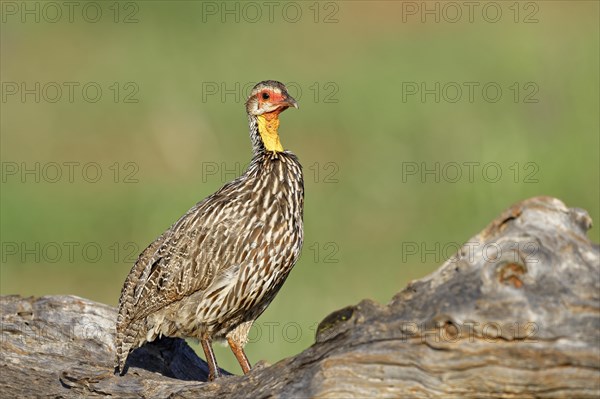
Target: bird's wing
(186, 258)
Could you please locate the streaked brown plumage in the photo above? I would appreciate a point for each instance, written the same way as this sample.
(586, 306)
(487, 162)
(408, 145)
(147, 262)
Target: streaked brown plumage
(214, 271)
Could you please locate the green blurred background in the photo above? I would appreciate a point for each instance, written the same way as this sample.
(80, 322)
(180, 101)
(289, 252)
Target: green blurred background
(170, 129)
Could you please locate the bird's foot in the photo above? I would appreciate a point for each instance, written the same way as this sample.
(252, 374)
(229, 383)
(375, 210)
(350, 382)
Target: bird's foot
(213, 375)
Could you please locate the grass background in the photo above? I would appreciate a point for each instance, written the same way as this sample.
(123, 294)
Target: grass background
(355, 132)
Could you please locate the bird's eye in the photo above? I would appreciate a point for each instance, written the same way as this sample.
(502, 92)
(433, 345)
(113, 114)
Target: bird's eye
(265, 96)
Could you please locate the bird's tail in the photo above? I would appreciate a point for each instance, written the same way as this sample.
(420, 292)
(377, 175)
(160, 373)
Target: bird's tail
(125, 342)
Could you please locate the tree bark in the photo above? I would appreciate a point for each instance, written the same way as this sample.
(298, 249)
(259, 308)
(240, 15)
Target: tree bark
(515, 314)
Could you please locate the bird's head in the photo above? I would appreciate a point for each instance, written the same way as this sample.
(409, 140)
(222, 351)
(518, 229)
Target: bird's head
(269, 96)
(267, 100)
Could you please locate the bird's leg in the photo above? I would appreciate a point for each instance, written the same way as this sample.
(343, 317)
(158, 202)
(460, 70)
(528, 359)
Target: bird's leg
(238, 351)
(213, 368)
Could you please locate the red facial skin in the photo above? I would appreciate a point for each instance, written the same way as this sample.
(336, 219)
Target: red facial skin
(274, 98)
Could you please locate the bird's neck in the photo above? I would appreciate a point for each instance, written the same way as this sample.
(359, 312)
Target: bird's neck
(263, 133)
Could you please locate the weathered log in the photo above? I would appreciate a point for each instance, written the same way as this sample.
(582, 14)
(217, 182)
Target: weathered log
(516, 314)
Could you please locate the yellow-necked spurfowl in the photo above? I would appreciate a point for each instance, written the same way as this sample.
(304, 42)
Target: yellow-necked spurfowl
(217, 268)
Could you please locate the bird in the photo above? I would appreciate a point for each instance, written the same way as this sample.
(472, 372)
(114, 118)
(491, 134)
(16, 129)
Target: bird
(217, 268)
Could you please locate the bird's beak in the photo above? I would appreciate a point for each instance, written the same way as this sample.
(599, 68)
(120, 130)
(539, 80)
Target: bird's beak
(289, 101)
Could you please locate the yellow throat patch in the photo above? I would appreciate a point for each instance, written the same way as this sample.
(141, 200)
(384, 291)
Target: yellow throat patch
(267, 127)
